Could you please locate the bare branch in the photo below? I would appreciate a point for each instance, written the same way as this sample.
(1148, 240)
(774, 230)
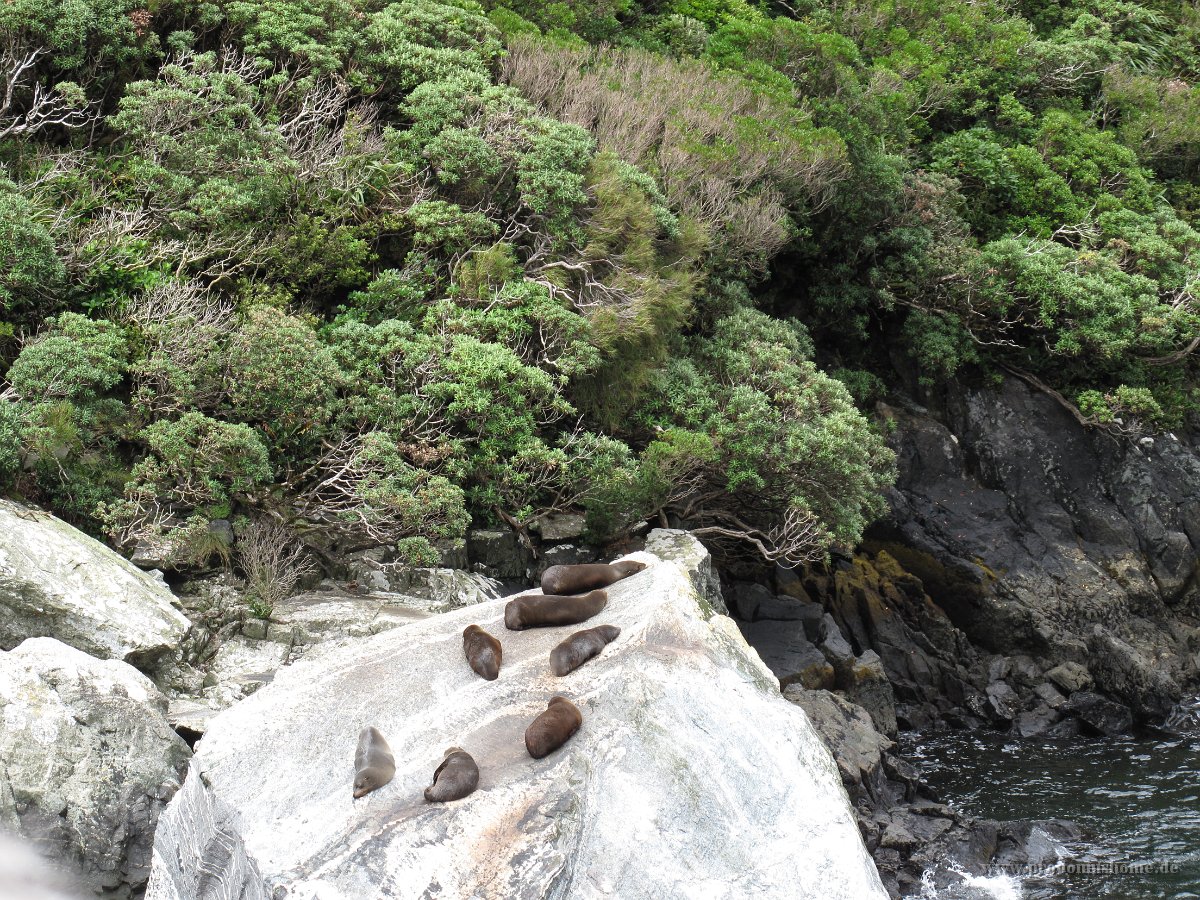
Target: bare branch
(26, 107)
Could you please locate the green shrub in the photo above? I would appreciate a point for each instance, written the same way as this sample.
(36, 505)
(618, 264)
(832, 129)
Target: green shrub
(201, 463)
(781, 459)
(75, 359)
(280, 378)
(10, 444)
(417, 41)
(30, 272)
(321, 34)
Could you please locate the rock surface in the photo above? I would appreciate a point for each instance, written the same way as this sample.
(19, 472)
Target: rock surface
(87, 761)
(560, 527)
(687, 552)
(431, 590)
(58, 582)
(1040, 538)
(244, 654)
(691, 776)
(498, 554)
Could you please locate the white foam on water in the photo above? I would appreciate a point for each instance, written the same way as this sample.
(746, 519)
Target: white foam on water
(972, 887)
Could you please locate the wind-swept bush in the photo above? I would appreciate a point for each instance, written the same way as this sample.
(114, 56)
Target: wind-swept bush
(727, 155)
(758, 452)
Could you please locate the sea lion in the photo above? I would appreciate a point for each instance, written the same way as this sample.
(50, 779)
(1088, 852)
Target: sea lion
(534, 610)
(457, 776)
(587, 577)
(483, 652)
(374, 764)
(552, 728)
(580, 647)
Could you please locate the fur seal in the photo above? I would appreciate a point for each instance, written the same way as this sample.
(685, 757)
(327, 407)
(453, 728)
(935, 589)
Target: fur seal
(587, 577)
(532, 610)
(580, 647)
(457, 776)
(374, 764)
(483, 652)
(552, 728)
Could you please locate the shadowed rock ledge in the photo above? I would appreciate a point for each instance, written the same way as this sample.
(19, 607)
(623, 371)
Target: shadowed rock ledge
(691, 775)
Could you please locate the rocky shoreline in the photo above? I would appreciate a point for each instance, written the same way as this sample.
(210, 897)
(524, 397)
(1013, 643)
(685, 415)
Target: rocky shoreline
(1032, 577)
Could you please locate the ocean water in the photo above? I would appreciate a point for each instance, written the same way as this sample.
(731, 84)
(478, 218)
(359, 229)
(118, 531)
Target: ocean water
(1138, 798)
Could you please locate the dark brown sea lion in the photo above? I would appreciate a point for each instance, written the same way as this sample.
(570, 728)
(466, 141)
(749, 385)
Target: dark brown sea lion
(552, 728)
(457, 776)
(580, 647)
(587, 577)
(483, 652)
(534, 610)
(374, 764)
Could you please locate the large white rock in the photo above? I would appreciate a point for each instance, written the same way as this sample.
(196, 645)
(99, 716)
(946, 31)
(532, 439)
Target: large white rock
(691, 776)
(57, 582)
(87, 761)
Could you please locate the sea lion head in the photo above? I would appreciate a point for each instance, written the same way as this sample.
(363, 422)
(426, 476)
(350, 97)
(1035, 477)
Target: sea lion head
(608, 632)
(366, 781)
(628, 567)
(450, 750)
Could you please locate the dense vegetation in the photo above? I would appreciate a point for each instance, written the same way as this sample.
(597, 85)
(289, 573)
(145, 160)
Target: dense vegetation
(378, 270)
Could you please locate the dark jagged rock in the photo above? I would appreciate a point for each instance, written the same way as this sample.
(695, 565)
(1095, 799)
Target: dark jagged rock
(1037, 721)
(498, 554)
(1003, 701)
(1070, 677)
(1100, 715)
(1022, 551)
(1039, 538)
(866, 684)
(789, 654)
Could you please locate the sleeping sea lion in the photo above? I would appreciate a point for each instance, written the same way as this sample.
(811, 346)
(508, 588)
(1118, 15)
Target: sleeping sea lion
(552, 728)
(534, 610)
(483, 652)
(587, 577)
(374, 764)
(580, 647)
(457, 776)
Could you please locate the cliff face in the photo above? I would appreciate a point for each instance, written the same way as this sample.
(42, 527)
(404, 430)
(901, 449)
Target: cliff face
(1040, 538)
(691, 775)
(1030, 573)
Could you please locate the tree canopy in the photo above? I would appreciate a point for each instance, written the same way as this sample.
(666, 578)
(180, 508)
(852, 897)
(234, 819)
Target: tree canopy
(377, 271)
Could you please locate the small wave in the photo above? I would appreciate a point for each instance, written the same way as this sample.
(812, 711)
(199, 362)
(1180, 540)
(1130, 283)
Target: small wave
(1185, 718)
(971, 887)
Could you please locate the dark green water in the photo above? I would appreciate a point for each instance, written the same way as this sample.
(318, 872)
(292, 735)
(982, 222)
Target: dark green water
(1139, 797)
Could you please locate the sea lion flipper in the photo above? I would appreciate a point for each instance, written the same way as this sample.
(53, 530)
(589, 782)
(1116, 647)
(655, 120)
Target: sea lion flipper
(438, 770)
